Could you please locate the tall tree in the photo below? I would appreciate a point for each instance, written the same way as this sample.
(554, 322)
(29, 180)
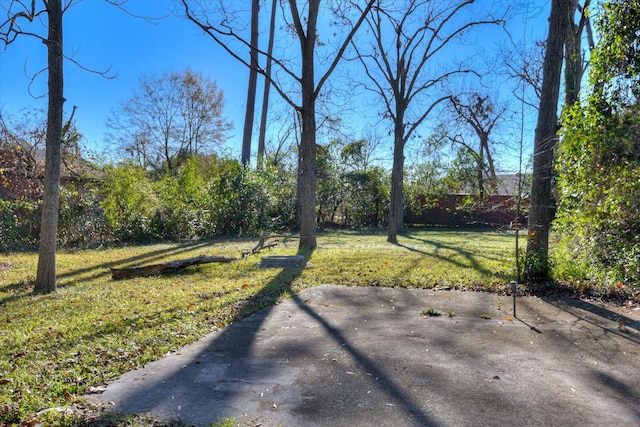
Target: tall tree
(253, 81)
(170, 118)
(540, 205)
(481, 115)
(407, 38)
(267, 85)
(599, 157)
(17, 14)
(575, 59)
(304, 25)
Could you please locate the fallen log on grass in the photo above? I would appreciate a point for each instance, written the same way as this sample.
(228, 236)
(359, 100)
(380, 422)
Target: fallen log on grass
(167, 267)
(172, 266)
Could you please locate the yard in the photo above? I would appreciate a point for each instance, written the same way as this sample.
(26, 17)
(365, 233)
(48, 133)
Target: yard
(55, 348)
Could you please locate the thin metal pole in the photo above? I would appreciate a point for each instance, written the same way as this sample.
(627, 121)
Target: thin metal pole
(513, 293)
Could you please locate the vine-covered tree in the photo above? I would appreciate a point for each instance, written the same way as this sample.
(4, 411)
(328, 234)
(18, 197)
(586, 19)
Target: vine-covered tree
(540, 205)
(599, 157)
(576, 62)
(170, 118)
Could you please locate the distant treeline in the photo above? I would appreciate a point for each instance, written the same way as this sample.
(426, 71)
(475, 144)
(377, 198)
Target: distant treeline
(205, 197)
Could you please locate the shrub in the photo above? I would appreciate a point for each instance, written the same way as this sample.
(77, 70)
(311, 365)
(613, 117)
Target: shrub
(19, 223)
(81, 221)
(599, 165)
(129, 202)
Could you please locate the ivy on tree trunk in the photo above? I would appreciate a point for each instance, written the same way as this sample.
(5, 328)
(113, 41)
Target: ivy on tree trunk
(541, 203)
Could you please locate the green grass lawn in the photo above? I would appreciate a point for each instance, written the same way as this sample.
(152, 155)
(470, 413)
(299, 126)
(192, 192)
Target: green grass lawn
(55, 348)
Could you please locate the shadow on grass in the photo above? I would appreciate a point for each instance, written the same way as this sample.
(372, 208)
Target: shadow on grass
(98, 270)
(146, 398)
(220, 383)
(102, 269)
(471, 257)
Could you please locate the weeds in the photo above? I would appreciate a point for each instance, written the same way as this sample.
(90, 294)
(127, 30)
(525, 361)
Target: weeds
(431, 312)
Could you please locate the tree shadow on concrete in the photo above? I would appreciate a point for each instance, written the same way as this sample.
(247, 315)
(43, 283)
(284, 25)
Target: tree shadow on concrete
(618, 388)
(382, 378)
(471, 374)
(610, 321)
(224, 365)
(167, 396)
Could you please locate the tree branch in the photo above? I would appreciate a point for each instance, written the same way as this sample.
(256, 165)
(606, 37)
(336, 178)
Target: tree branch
(347, 41)
(213, 32)
(10, 29)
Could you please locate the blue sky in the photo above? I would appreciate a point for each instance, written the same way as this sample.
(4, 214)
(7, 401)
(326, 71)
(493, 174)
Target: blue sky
(100, 36)
(104, 36)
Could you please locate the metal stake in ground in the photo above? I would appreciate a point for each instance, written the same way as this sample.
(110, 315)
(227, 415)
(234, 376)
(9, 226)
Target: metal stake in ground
(513, 292)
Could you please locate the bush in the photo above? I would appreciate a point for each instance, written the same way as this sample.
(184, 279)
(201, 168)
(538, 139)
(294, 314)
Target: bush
(19, 223)
(368, 195)
(599, 165)
(182, 202)
(204, 197)
(81, 221)
(129, 203)
(241, 201)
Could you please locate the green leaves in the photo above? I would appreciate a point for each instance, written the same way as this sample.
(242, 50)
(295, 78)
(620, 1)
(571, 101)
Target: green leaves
(206, 196)
(599, 163)
(615, 63)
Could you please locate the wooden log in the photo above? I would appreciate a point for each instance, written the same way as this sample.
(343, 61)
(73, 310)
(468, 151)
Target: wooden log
(165, 268)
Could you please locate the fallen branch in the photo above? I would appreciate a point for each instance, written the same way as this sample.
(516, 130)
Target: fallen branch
(167, 267)
(262, 244)
(172, 266)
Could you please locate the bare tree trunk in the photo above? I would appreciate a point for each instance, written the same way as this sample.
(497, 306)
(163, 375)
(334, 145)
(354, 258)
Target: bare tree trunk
(253, 81)
(306, 31)
(575, 63)
(308, 182)
(396, 205)
(307, 173)
(480, 172)
(267, 85)
(299, 191)
(540, 210)
(484, 142)
(46, 274)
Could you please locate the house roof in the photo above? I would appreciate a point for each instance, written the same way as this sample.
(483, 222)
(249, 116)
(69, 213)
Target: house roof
(506, 185)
